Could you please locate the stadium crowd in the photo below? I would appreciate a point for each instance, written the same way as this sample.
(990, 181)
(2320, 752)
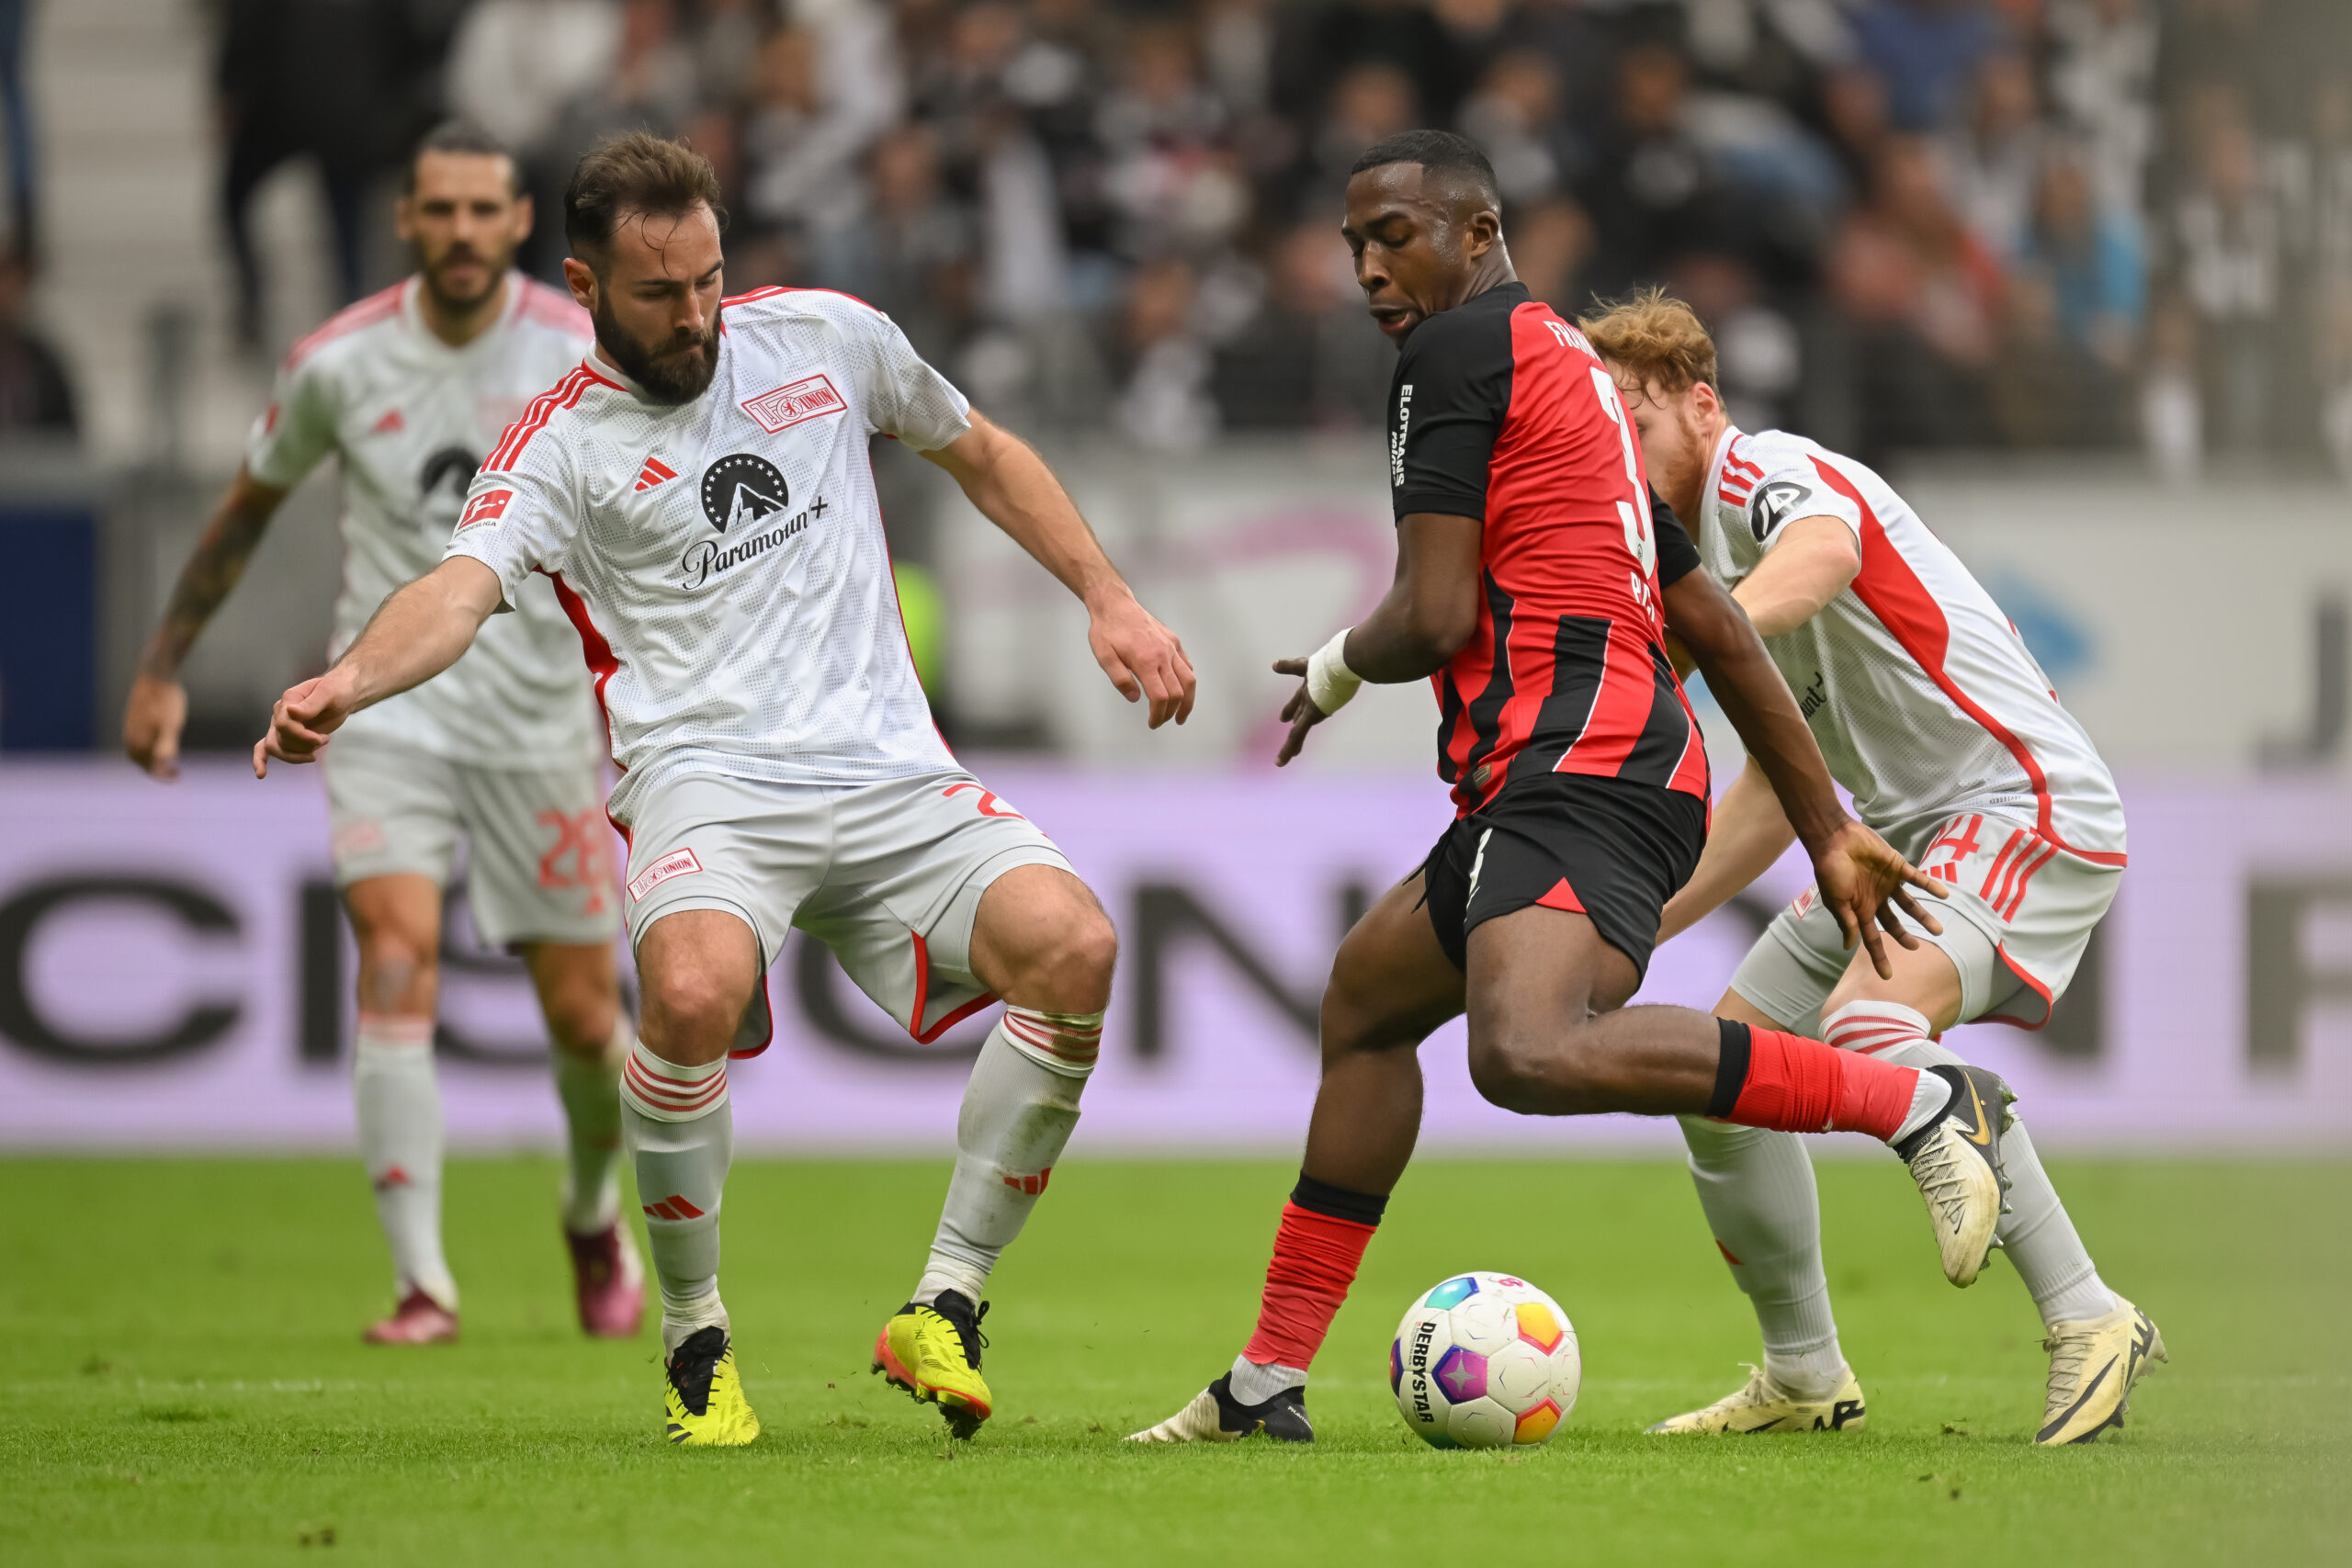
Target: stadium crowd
(1912, 223)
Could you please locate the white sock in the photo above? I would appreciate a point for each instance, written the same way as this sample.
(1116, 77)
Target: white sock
(589, 1087)
(1018, 1112)
(680, 1132)
(398, 1106)
(1254, 1384)
(1757, 1188)
(2036, 1232)
(1876, 1028)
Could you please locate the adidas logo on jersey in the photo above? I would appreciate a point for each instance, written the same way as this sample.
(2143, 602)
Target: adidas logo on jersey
(655, 472)
(391, 424)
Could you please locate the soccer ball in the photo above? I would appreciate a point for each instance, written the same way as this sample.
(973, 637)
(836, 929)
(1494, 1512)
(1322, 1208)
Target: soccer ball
(1485, 1361)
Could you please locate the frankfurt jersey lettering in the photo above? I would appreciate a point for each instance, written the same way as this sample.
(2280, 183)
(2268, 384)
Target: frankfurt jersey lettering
(1923, 697)
(744, 620)
(1503, 413)
(410, 418)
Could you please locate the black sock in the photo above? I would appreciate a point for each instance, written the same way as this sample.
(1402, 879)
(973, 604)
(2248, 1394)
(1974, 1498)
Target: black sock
(1731, 1068)
(1337, 1202)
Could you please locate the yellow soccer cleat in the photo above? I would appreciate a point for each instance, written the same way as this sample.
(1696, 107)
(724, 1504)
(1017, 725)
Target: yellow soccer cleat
(1956, 1160)
(933, 1352)
(706, 1408)
(2092, 1365)
(1764, 1406)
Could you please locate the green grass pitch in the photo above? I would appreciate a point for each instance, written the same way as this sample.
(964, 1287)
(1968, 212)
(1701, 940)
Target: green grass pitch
(181, 1380)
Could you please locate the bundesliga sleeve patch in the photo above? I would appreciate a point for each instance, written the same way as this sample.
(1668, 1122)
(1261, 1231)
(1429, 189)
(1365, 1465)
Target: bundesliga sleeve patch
(811, 397)
(487, 507)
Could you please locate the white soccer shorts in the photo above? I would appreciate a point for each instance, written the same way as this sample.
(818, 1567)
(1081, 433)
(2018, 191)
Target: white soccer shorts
(538, 851)
(2019, 915)
(888, 875)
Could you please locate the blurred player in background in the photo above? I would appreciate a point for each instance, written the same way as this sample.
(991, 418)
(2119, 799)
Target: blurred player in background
(1536, 582)
(702, 495)
(1933, 714)
(410, 388)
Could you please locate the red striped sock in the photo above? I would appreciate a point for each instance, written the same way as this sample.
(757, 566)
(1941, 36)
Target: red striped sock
(1316, 1249)
(1790, 1084)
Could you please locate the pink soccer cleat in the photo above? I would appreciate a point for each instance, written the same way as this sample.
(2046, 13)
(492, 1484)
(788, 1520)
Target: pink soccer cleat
(610, 1283)
(418, 1320)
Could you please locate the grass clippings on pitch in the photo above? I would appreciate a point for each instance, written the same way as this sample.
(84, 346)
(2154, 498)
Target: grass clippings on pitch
(181, 1380)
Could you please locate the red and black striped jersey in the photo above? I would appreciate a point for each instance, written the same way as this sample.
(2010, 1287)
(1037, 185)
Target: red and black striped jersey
(1501, 411)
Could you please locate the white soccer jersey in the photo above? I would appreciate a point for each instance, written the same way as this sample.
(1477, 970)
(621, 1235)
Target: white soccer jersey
(411, 418)
(1923, 697)
(724, 559)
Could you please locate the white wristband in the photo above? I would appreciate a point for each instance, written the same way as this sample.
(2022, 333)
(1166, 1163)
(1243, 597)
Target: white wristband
(1329, 682)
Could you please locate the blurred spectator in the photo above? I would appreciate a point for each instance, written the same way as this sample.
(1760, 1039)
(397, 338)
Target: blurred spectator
(1649, 178)
(2336, 374)
(1994, 162)
(1309, 357)
(344, 84)
(1551, 244)
(17, 129)
(909, 252)
(2102, 80)
(2048, 389)
(1368, 103)
(1168, 178)
(1163, 402)
(2227, 243)
(1927, 52)
(1758, 356)
(1517, 114)
(1853, 107)
(2172, 411)
(35, 395)
(2091, 261)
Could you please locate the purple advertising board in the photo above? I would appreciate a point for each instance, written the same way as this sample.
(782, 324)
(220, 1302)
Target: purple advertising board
(175, 973)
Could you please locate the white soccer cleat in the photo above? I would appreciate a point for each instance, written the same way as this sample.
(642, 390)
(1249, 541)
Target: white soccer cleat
(1764, 1406)
(2092, 1365)
(1956, 1160)
(1216, 1416)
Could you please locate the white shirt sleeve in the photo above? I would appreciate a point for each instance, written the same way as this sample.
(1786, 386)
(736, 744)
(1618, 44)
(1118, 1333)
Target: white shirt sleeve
(1792, 488)
(907, 397)
(296, 430)
(517, 521)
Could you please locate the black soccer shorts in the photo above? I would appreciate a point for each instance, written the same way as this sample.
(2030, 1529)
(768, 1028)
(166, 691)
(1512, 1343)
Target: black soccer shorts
(1609, 850)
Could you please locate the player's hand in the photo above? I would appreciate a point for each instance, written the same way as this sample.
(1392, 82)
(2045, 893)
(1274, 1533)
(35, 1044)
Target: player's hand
(300, 723)
(152, 722)
(1300, 713)
(1863, 882)
(1142, 658)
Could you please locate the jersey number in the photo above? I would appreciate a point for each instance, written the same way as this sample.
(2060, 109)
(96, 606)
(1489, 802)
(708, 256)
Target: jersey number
(1636, 514)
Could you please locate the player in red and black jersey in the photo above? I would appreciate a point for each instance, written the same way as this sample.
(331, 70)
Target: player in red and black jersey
(1537, 579)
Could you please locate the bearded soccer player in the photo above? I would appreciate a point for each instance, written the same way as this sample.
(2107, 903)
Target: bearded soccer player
(1535, 583)
(409, 390)
(699, 492)
(1929, 708)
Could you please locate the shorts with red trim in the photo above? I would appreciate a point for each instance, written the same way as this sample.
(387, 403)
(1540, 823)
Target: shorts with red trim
(1607, 849)
(888, 875)
(2018, 918)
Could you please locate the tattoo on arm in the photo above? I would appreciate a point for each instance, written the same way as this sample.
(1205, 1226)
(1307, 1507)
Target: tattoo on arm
(210, 575)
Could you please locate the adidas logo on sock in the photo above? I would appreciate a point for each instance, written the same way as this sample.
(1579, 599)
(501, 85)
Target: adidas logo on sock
(673, 1207)
(1032, 1185)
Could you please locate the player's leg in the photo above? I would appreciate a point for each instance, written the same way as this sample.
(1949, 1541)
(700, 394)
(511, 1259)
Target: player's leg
(396, 1097)
(1392, 983)
(699, 969)
(717, 868)
(2100, 1343)
(540, 880)
(395, 811)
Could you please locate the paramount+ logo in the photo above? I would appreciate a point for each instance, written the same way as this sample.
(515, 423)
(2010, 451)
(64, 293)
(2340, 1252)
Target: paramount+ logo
(743, 495)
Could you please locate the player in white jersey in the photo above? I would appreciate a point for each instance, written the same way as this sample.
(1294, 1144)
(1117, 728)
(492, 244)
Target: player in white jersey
(1932, 712)
(700, 493)
(409, 389)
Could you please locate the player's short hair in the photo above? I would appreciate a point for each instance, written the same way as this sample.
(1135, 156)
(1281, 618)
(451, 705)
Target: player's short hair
(635, 172)
(1438, 153)
(1656, 337)
(460, 136)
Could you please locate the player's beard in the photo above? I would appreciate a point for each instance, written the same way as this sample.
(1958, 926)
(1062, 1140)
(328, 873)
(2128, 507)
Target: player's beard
(673, 373)
(435, 270)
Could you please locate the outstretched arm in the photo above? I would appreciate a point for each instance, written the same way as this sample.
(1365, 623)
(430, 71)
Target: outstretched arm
(1431, 610)
(152, 718)
(1004, 476)
(1859, 873)
(414, 634)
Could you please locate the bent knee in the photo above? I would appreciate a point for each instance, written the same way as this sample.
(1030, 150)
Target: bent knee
(694, 1013)
(1071, 971)
(1521, 1073)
